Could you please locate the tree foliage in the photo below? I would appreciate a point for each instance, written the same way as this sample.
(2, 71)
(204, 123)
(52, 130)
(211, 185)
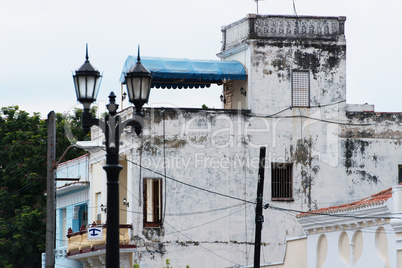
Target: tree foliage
(23, 151)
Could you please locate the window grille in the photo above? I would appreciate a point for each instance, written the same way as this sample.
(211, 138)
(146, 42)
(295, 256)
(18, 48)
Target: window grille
(300, 89)
(76, 211)
(281, 182)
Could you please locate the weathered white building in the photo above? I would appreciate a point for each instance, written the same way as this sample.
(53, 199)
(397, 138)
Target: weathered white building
(365, 233)
(189, 181)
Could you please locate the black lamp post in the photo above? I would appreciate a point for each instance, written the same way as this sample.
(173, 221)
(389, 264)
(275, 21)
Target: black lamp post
(87, 81)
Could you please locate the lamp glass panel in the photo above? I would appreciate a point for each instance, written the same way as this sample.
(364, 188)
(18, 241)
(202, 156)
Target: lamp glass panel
(137, 88)
(145, 88)
(96, 90)
(91, 81)
(82, 83)
(76, 85)
(130, 89)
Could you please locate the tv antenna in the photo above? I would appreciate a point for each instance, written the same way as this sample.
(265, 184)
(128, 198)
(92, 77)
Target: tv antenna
(257, 4)
(294, 8)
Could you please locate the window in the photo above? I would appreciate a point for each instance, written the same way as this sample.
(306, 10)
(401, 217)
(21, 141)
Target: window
(281, 182)
(64, 225)
(228, 95)
(98, 197)
(300, 89)
(84, 217)
(152, 202)
(399, 174)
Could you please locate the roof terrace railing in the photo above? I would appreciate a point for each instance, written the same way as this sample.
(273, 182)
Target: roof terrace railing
(283, 28)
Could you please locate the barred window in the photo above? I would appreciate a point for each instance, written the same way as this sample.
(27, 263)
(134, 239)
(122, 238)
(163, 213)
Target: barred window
(281, 182)
(300, 88)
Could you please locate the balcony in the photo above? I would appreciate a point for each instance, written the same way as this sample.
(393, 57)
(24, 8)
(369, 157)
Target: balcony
(91, 252)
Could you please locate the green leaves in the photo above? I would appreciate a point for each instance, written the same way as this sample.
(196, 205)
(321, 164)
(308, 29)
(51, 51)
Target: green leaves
(23, 151)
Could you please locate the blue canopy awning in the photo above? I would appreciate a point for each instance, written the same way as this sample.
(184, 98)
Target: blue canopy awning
(185, 73)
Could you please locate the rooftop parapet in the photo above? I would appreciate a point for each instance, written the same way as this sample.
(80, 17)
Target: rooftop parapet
(283, 28)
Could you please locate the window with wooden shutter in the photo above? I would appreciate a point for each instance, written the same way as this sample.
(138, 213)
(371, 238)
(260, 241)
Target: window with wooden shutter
(152, 202)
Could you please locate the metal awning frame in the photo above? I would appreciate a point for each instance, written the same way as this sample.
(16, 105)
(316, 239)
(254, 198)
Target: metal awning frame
(184, 73)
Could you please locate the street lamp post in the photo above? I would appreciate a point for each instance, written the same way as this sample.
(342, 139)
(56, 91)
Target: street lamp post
(87, 82)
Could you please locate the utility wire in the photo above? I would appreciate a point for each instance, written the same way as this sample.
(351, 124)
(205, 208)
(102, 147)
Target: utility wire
(275, 115)
(203, 246)
(313, 118)
(341, 215)
(20, 190)
(209, 222)
(13, 177)
(187, 184)
(186, 213)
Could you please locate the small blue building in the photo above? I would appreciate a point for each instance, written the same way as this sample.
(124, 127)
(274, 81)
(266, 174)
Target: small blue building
(72, 202)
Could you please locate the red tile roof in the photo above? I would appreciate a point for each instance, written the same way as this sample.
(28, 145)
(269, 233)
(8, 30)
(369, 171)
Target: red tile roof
(72, 160)
(372, 200)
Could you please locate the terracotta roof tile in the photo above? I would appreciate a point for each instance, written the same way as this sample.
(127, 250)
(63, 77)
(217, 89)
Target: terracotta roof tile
(372, 200)
(72, 160)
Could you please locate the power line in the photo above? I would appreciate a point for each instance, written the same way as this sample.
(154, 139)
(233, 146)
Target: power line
(314, 118)
(20, 190)
(275, 115)
(203, 246)
(22, 229)
(188, 184)
(341, 215)
(206, 223)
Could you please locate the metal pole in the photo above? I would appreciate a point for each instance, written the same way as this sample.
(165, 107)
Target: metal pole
(259, 218)
(112, 127)
(112, 169)
(50, 202)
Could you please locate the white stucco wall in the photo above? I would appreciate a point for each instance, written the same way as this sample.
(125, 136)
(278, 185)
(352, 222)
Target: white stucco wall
(338, 156)
(218, 151)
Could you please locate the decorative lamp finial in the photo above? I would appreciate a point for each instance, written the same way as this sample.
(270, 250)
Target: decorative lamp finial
(86, 56)
(138, 55)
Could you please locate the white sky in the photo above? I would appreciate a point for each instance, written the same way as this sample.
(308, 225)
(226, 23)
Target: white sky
(43, 41)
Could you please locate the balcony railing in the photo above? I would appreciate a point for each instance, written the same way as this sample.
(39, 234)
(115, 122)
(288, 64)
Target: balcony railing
(78, 242)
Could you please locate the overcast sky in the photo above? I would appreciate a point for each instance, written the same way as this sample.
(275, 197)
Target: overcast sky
(43, 41)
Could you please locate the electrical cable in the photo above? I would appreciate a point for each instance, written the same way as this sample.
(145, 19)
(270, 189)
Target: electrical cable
(206, 223)
(328, 104)
(13, 177)
(186, 213)
(187, 184)
(313, 118)
(129, 192)
(204, 211)
(164, 166)
(359, 229)
(340, 215)
(275, 115)
(20, 190)
(203, 246)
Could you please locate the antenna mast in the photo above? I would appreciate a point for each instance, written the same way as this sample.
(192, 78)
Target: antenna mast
(257, 4)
